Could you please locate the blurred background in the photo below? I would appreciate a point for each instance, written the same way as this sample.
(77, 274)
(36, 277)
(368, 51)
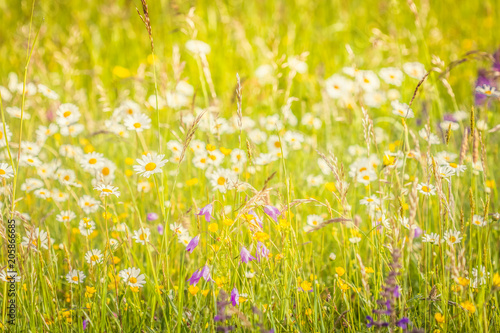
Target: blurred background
(86, 40)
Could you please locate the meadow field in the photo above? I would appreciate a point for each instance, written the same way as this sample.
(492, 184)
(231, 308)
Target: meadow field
(250, 166)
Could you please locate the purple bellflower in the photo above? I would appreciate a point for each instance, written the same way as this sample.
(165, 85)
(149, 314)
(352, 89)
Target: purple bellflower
(262, 251)
(204, 272)
(245, 255)
(207, 212)
(152, 217)
(272, 211)
(193, 244)
(235, 297)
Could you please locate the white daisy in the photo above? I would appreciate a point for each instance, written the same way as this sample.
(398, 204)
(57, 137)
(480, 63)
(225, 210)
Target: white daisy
(94, 256)
(223, 179)
(6, 171)
(35, 238)
(142, 236)
(4, 136)
(67, 114)
(31, 184)
(452, 237)
(402, 110)
(133, 277)
(65, 216)
(137, 122)
(88, 204)
(86, 227)
(92, 161)
(47, 92)
(150, 164)
(479, 221)
(107, 190)
(415, 70)
(426, 189)
(392, 75)
(75, 276)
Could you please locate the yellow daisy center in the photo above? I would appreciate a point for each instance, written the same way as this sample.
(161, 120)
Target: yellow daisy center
(132, 280)
(67, 114)
(150, 166)
(221, 181)
(92, 161)
(137, 125)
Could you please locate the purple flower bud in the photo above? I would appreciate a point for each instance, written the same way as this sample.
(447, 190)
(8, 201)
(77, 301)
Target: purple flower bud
(245, 255)
(195, 278)
(205, 273)
(207, 212)
(85, 324)
(262, 251)
(389, 308)
(152, 217)
(235, 297)
(193, 244)
(449, 117)
(496, 61)
(418, 232)
(273, 212)
(160, 229)
(396, 292)
(370, 321)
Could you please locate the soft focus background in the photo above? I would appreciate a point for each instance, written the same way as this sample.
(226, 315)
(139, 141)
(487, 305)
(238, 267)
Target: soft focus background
(303, 192)
(81, 40)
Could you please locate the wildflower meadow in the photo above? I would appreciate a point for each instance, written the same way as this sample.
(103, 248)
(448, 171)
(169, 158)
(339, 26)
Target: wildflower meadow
(250, 166)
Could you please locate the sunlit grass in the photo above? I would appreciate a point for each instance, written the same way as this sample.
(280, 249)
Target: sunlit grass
(251, 166)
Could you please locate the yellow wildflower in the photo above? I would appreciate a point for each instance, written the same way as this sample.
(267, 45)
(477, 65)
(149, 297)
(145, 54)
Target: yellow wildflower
(213, 227)
(340, 271)
(193, 290)
(439, 317)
